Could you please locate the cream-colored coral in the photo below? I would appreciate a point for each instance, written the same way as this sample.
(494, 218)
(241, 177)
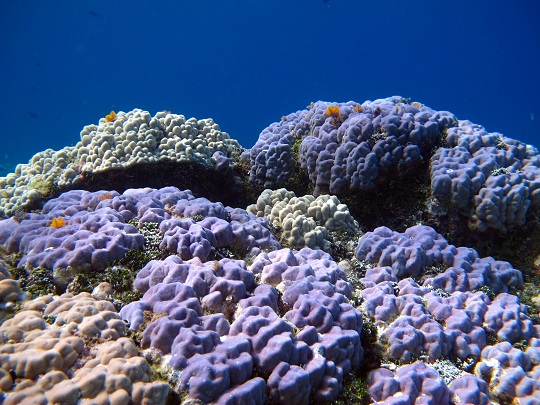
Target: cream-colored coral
(305, 221)
(80, 358)
(133, 138)
(30, 348)
(9, 290)
(137, 137)
(83, 314)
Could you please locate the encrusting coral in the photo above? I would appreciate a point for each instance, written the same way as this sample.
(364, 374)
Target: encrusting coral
(490, 180)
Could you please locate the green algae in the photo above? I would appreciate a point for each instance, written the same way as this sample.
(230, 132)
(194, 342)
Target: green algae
(399, 203)
(343, 244)
(521, 345)
(488, 291)
(354, 391)
(35, 282)
(45, 188)
(298, 181)
(529, 297)
(355, 384)
(119, 277)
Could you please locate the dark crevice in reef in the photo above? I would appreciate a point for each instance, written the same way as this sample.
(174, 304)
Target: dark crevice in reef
(518, 246)
(397, 204)
(215, 185)
(210, 183)
(401, 201)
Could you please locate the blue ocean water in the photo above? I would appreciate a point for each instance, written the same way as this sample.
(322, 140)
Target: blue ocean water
(66, 64)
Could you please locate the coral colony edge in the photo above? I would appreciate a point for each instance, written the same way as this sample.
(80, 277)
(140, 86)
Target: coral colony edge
(381, 252)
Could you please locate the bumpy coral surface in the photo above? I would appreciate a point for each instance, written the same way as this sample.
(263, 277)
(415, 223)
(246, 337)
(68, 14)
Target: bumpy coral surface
(133, 138)
(216, 311)
(97, 232)
(81, 358)
(492, 179)
(448, 316)
(305, 221)
(295, 327)
(355, 149)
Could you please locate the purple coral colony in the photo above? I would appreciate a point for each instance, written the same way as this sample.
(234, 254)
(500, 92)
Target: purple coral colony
(157, 261)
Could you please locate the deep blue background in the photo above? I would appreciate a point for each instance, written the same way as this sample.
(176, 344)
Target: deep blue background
(65, 64)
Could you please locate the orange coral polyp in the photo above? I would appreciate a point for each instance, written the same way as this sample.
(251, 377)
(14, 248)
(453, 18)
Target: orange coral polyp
(110, 117)
(332, 110)
(358, 108)
(58, 222)
(106, 196)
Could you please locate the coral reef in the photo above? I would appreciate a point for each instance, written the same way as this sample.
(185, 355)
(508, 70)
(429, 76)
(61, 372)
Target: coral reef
(356, 152)
(491, 180)
(97, 231)
(218, 324)
(148, 264)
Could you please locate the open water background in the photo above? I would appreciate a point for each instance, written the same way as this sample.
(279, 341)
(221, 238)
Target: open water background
(65, 64)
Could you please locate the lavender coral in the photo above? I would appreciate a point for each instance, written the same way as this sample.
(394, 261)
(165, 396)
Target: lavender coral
(491, 179)
(97, 229)
(219, 325)
(356, 149)
(447, 316)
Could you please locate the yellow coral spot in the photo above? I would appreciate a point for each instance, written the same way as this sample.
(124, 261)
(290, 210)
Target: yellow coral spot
(332, 110)
(58, 222)
(358, 108)
(110, 117)
(416, 104)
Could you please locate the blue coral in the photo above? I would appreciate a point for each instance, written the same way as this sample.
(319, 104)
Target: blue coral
(493, 181)
(236, 318)
(98, 232)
